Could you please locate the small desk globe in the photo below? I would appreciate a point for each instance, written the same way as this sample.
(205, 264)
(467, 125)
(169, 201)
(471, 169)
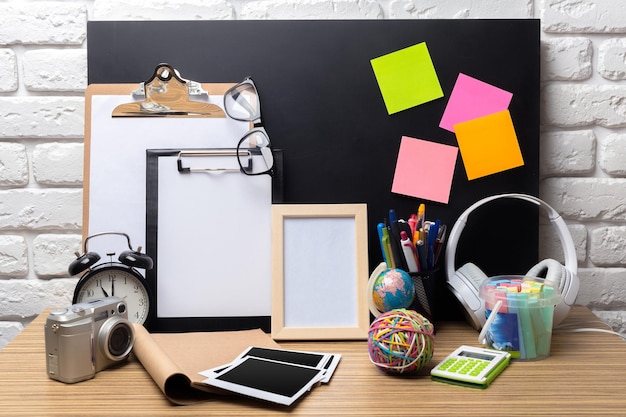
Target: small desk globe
(393, 288)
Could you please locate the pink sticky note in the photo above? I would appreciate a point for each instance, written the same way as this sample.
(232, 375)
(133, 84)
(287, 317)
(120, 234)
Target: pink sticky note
(424, 169)
(471, 99)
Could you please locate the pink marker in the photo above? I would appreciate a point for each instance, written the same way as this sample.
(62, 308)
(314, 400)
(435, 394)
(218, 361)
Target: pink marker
(409, 252)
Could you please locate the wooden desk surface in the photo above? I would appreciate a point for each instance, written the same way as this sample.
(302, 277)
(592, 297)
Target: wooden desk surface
(585, 374)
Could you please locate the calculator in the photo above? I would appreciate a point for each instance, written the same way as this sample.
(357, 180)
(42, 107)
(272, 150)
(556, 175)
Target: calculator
(471, 366)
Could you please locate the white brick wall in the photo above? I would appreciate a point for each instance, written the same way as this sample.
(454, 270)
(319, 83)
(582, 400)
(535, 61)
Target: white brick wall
(43, 74)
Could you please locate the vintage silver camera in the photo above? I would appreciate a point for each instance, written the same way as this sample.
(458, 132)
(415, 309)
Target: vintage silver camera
(86, 338)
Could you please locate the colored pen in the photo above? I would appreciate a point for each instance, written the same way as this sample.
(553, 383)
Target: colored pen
(392, 216)
(439, 242)
(409, 252)
(421, 255)
(421, 215)
(416, 237)
(387, 249)
(394, 238)
(380, 227)
(412, 223)
(433, 232)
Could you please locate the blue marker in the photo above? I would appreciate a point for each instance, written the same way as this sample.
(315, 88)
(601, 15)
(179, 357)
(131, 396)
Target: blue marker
(383, 249)
(392, 216)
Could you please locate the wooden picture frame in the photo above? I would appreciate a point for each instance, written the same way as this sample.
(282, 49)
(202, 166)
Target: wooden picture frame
(319, 272)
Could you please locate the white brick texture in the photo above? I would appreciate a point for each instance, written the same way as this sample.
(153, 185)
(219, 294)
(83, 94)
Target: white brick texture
(569, 153)
(52, 254)
(611, 59)
(41, 209)
(460, 9)
(13, 164)
(22, 117)
(567, 59)
(613, 155)
(586, 199)
(577, 105)
(13, 256)
(583, 16)
(55, 70)
(608, 246)
(163, 10)
(43, 23)
(8, 70)
(22, 298)
(58, 163)
(309, 9)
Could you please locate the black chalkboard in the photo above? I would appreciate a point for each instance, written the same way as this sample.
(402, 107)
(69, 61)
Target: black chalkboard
(321, 105)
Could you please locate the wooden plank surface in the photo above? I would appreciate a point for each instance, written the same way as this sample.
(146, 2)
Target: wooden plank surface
(583, 375)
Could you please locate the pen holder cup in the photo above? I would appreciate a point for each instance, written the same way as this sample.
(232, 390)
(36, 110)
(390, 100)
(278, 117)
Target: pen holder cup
(424, 283)
(523, 311)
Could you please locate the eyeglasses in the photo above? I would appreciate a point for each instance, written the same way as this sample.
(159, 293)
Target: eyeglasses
(254, 152)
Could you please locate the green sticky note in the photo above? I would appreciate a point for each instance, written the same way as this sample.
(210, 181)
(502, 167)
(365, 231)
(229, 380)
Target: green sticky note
(407, 78)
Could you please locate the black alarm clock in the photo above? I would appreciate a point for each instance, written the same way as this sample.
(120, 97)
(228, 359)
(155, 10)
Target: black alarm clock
(111, 278)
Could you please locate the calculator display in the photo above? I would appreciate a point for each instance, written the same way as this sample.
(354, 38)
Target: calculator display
(476, 355)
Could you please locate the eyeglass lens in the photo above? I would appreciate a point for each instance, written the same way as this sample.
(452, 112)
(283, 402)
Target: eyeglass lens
(254, 153)
(243, 103)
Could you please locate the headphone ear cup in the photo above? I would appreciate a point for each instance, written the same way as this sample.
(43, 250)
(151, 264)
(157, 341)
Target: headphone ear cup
(136, 259)
(473, 274)
(560, 278)
(465, 286)
(83, 262)
(552, 271)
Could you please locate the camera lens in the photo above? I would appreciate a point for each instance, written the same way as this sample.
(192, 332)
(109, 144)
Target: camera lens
(120, 340)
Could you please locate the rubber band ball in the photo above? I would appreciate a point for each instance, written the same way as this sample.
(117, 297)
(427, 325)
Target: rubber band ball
(401, 341)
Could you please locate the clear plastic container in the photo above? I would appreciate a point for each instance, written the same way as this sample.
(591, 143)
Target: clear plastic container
(524, 308)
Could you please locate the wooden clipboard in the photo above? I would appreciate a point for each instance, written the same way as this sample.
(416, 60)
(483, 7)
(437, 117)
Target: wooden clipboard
(114, 162)
(115, 169)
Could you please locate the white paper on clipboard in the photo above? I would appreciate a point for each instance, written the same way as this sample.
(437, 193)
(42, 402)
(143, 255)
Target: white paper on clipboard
(115, 166)
(213, 240)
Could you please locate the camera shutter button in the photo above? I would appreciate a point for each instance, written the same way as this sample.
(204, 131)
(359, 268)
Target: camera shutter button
(78, 309)
(58, 312)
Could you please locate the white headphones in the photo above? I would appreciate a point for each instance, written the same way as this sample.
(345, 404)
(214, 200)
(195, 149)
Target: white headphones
(465, 281)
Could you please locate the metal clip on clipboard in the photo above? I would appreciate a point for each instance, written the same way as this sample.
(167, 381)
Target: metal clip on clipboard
(241, 154)
(166, 94)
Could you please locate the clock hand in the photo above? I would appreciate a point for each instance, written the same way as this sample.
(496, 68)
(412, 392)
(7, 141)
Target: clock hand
(113, 287)
(105, 293)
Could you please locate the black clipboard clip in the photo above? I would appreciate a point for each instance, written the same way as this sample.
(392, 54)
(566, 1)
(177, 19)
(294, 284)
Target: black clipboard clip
(167, 94)
(241, 154)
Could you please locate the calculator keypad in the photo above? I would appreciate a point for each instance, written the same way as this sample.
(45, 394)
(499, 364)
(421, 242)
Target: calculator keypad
(466, 366)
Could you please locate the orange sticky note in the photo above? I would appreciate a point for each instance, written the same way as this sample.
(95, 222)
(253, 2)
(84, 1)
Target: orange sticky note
(488, 145)
(424, 169)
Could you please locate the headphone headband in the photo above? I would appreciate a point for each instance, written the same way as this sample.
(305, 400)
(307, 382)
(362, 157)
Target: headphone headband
(569, 251)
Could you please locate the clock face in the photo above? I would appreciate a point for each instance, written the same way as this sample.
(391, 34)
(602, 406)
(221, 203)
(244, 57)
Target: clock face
(110, 280)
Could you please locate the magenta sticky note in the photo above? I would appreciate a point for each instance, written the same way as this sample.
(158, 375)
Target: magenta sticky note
(471, 99)
(424, 169)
